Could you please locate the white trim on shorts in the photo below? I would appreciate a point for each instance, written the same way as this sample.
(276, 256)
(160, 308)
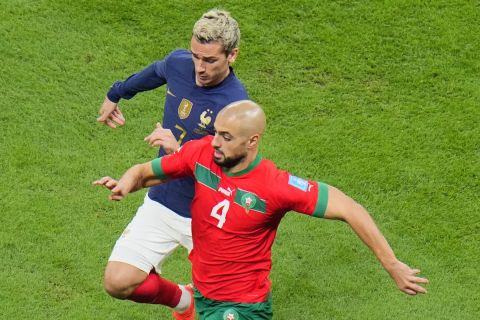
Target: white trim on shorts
(151, 236)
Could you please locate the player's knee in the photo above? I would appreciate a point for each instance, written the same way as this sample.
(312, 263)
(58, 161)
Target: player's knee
(116, 285)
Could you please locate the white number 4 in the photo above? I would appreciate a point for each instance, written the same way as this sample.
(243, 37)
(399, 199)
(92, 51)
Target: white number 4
(222, 216)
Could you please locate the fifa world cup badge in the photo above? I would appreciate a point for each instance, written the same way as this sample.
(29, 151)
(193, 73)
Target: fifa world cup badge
(184, 108)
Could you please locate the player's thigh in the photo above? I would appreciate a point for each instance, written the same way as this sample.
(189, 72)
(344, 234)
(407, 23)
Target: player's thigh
(182, 228)
(147, 240)
(179, 228)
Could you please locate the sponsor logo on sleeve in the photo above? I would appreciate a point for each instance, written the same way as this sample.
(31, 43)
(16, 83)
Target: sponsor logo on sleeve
(298, 183)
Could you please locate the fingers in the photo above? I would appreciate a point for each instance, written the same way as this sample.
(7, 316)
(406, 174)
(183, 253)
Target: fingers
(112, 185)
(414, 284)
(409, 291)
(117, 116)
(412, 287)
(108, 182)
(407, 279)
(104, 113)
(160, 136)
(110, 123)
(420, 280)
(419, 289)
(116, 197)
(117, 193)
(156, 142)
(147, 138)
(110, 114)
(110, 120)
(101, 181)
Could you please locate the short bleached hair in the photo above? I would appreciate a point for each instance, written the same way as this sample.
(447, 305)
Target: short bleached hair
(218, 25)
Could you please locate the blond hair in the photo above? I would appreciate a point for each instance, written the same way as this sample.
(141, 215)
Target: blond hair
(218, 25)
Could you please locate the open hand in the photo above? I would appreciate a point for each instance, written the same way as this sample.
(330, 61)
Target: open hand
(164, 138)
(407, 279)
(112, 185)
(110, 114)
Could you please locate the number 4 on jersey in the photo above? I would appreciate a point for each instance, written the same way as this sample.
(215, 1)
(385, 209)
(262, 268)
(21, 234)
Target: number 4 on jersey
(220, 216)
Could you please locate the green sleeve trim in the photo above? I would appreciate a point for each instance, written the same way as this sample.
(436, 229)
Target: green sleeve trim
(157, 168)
(322, 200)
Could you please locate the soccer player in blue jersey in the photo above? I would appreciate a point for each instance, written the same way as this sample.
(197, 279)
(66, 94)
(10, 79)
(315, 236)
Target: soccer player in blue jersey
(200, 82)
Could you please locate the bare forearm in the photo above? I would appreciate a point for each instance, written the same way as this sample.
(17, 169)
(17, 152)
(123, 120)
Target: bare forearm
(138, 177)
(132, 180)
(364, 226)
(342, 207)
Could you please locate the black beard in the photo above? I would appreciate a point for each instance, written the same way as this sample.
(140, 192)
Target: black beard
(229, 162)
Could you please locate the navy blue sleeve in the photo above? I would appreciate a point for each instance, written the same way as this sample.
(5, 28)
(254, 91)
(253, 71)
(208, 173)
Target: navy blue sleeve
(149, 78)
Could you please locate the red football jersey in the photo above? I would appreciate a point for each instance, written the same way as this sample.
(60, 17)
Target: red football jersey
(235, 218)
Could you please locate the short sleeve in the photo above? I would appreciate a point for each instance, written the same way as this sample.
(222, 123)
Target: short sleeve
(178, 164)
(301, 195)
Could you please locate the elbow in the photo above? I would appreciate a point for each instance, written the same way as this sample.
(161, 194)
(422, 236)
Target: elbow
(351, 212)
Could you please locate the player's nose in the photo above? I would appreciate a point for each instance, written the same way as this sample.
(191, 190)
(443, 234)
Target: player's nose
(215, 141)
(200, 67)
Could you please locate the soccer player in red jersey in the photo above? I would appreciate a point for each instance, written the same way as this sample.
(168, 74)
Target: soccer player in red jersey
(239, 202)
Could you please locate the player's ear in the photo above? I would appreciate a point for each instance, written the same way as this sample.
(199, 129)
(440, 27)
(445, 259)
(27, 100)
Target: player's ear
(232, 56)
(253, 141)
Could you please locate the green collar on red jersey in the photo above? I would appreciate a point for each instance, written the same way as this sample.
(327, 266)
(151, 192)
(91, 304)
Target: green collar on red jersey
(250, 167)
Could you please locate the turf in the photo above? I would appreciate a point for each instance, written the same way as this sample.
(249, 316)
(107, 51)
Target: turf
(379, 98)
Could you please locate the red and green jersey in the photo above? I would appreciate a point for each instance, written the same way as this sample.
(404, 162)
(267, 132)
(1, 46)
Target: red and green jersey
(235, 219)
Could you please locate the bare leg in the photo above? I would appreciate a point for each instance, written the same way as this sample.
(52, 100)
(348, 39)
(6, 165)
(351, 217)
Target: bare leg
(121, 279)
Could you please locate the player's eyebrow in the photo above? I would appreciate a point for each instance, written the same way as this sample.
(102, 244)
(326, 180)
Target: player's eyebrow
(204, 57)
(224, 133)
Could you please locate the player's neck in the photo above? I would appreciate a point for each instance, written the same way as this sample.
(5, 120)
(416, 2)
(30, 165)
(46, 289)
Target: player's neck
(220, 80)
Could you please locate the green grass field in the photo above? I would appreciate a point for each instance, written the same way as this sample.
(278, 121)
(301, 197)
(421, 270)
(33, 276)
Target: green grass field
(379, 98)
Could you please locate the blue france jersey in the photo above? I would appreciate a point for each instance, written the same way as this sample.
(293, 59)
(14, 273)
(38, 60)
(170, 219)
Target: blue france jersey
(190, 112)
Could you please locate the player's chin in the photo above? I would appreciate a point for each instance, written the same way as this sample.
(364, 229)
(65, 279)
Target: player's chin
(219, 160)
(203, 81)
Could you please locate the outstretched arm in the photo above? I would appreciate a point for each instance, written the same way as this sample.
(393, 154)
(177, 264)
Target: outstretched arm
(149, 78)
(137, 177)
(342, 207)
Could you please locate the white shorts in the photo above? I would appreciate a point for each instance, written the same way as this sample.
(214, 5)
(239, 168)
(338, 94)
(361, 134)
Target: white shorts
(152, 235)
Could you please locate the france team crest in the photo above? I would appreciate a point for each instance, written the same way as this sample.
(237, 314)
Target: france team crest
(205, 118)
(298, 183)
